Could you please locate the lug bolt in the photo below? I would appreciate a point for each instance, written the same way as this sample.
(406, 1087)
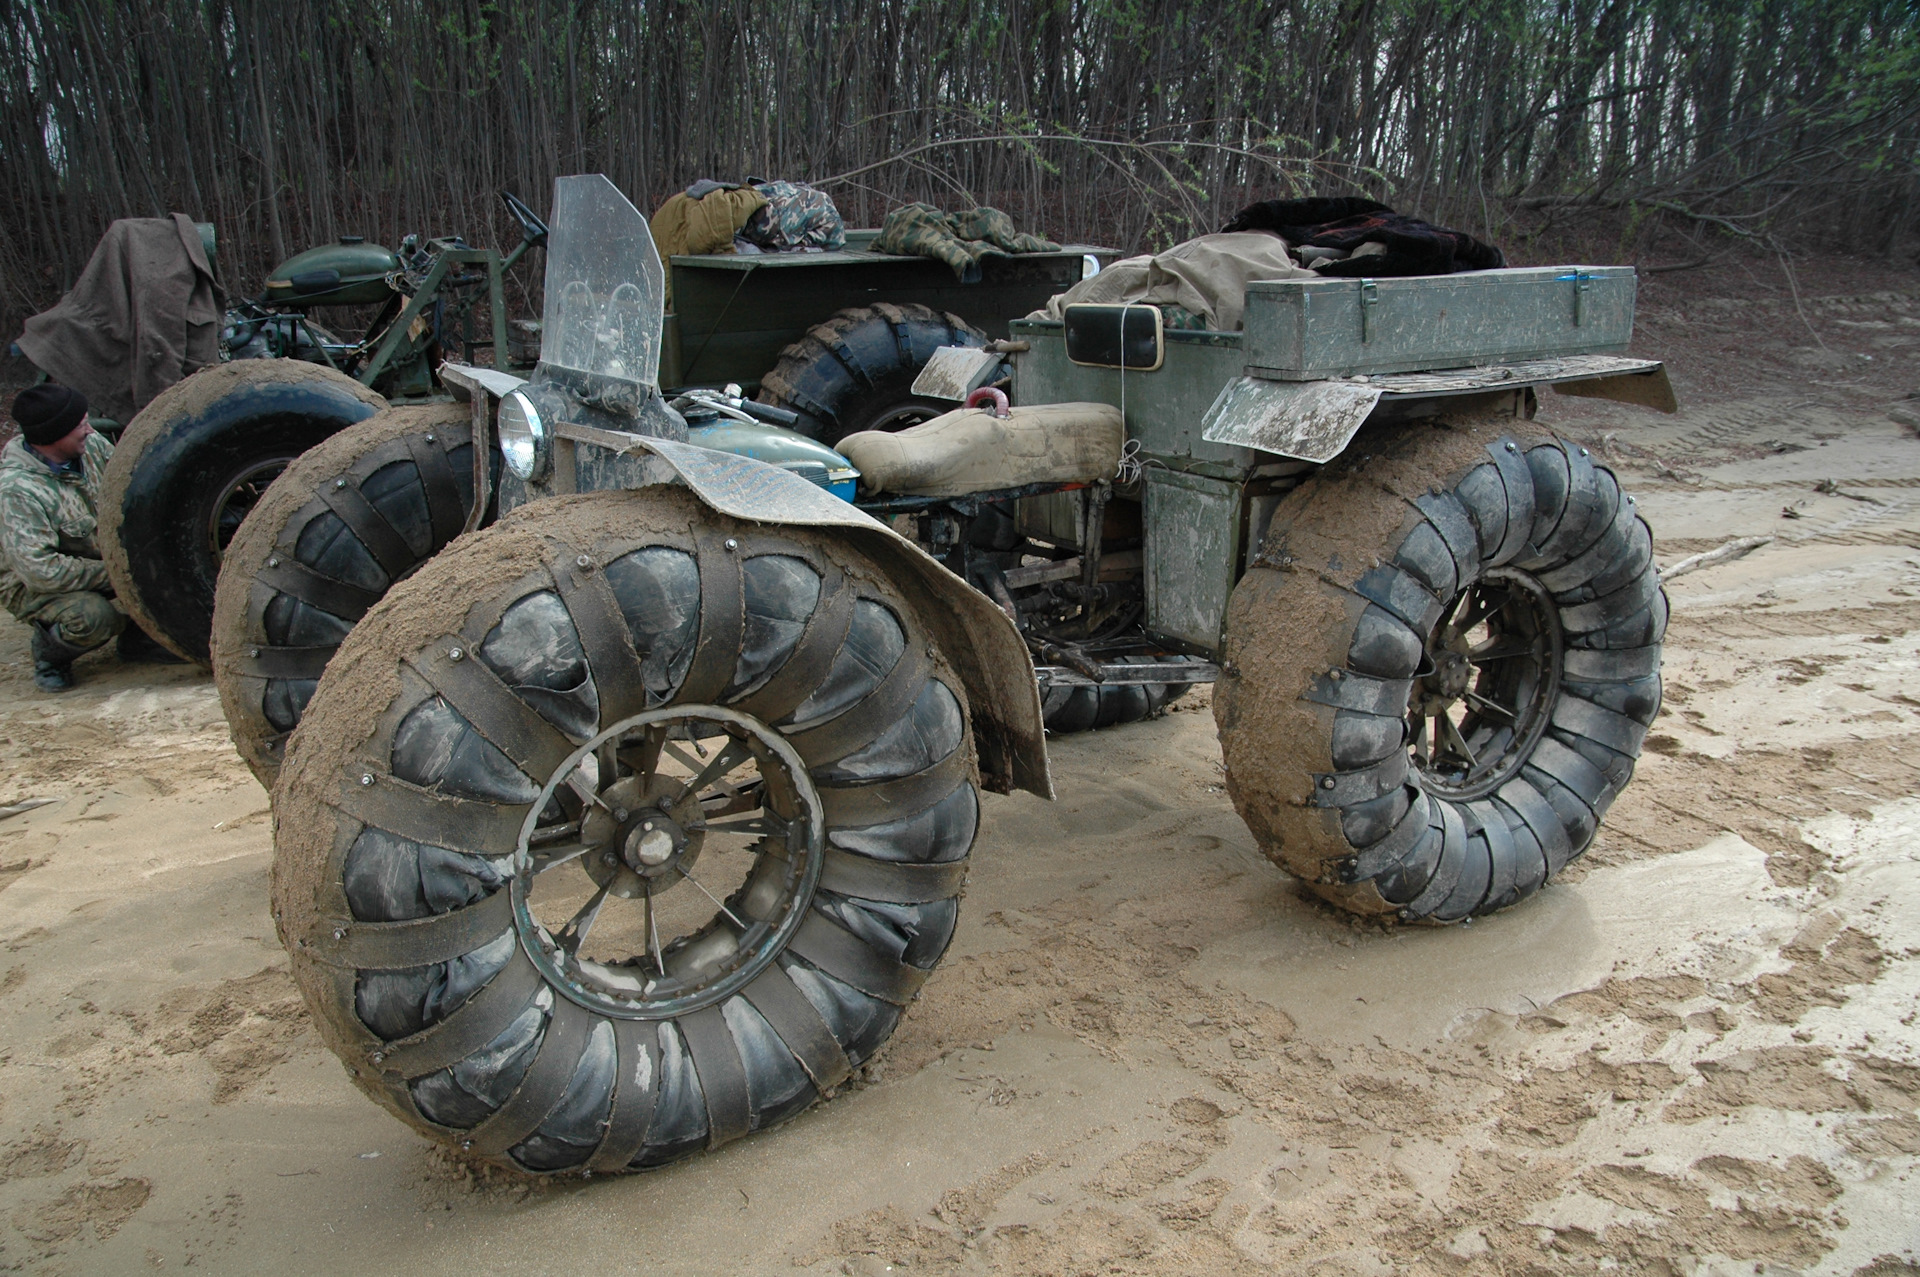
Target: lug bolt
(620, 813)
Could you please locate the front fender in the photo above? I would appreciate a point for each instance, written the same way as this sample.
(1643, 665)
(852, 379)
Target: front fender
(976, 636)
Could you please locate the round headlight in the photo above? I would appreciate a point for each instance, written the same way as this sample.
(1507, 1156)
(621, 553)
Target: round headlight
(524, 441)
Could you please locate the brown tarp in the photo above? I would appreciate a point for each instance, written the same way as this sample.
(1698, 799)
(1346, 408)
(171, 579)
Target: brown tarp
(144, 313)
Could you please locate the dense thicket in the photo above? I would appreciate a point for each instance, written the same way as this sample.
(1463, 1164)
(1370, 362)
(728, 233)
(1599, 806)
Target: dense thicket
(1128, 122)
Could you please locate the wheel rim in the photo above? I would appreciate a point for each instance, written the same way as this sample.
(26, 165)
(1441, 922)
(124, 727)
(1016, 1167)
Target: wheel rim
(899, 416)
(238, 495)
(1483, 695)
(655, 810)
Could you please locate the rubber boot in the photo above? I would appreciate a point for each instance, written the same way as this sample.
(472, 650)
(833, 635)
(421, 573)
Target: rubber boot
(137, 647)
(52, 660)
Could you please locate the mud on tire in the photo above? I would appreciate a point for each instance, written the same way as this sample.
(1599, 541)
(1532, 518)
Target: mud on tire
(510, 827)
(1441, 668)
(856, 371)
(334, 532)
(188, 468)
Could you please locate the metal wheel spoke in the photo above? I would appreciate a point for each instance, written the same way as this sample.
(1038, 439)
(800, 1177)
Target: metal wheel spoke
(586, 792)
(721, 904)
(1492, 650)
(1492, 707)
(1483, 607)
(553, 833)
(1459, 743)
(643, 758)
(1418, 732)
(686, 759)
(725, 761)
(574, 934)
(607, 758)
(764, 823)
(653, 934)
(545, 858)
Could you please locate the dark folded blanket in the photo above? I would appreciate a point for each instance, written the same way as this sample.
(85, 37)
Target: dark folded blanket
(1413, 247)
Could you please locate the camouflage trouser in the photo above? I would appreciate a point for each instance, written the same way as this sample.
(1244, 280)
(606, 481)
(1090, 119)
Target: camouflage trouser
(82, 620)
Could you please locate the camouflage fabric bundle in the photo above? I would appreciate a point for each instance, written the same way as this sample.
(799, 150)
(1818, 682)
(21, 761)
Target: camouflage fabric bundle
(795, 216)
(961, 240)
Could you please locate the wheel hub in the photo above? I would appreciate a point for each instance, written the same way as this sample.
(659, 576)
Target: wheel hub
(706, 820)
(1483, 696)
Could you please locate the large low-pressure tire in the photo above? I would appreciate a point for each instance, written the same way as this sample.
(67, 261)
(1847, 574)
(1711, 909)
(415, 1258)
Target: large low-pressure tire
(189, 468)
(855, 371)
(327, 540)
(1081, 708)
(1440, 671)
(621, 830)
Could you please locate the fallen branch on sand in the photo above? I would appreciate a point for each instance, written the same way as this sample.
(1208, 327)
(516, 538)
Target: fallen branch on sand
(1707, 558)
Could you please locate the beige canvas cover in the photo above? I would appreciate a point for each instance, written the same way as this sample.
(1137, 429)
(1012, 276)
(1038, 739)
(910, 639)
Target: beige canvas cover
(1207, 275)
(971, 450)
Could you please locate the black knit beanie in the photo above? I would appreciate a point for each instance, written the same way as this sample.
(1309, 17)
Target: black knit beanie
(48, 412)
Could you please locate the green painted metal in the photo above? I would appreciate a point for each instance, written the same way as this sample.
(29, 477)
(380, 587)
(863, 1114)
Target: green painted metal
(735, 313)
(1306, 329)
(361, 269)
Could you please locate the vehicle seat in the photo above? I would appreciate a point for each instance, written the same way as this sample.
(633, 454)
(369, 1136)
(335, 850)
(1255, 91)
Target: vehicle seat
(971, 450)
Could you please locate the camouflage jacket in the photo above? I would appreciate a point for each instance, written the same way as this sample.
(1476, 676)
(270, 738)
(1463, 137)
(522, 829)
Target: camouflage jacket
(46, 526)
(960, 239)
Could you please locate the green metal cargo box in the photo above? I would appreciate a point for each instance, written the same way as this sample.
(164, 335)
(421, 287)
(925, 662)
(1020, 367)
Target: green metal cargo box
(1303, 329)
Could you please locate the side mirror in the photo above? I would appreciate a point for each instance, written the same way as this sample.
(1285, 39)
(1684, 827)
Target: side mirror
(1130, 337)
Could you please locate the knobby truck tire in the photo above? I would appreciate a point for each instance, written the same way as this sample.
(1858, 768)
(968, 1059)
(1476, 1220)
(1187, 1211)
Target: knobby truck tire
(1327, 646)
(345, 521)
(855, 371)
(410, 812)
(179, 457)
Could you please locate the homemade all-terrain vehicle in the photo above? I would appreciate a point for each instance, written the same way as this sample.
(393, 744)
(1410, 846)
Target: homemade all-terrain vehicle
(632, 823)
(832, 342)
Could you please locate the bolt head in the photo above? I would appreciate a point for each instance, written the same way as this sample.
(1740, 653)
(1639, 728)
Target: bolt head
(429, 438)
(377, 1056)
(582, 561)
(732, 544)
(456, 653)
(648, 825)
(366, 778)
(273, 563)
(620, 813)
(339, 933)
(254, 652)
(339, 483)
(1326, 782)
(1512, 446)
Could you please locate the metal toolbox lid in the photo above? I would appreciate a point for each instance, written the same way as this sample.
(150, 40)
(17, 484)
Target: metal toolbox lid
(1299, 328)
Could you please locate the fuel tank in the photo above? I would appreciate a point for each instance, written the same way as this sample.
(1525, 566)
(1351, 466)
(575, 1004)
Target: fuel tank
(351, 272)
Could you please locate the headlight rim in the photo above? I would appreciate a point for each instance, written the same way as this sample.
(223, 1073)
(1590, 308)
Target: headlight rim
(528, 452)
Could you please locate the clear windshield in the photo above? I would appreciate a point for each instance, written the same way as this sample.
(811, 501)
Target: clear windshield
(606, 288)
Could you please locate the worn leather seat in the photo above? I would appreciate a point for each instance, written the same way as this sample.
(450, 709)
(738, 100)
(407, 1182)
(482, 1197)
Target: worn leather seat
(971, 450)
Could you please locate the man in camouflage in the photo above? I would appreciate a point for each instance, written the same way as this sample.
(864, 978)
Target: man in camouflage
(51, 575)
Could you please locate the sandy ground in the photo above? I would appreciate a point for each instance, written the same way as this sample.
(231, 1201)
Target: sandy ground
(1147, 1052)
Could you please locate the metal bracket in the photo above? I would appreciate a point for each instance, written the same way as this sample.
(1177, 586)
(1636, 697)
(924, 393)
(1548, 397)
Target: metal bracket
(1369, 298)
(1581, 283)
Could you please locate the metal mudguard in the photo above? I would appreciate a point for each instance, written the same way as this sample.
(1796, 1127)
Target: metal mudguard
(985, 648)
(975, 635)
(1315, 420)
